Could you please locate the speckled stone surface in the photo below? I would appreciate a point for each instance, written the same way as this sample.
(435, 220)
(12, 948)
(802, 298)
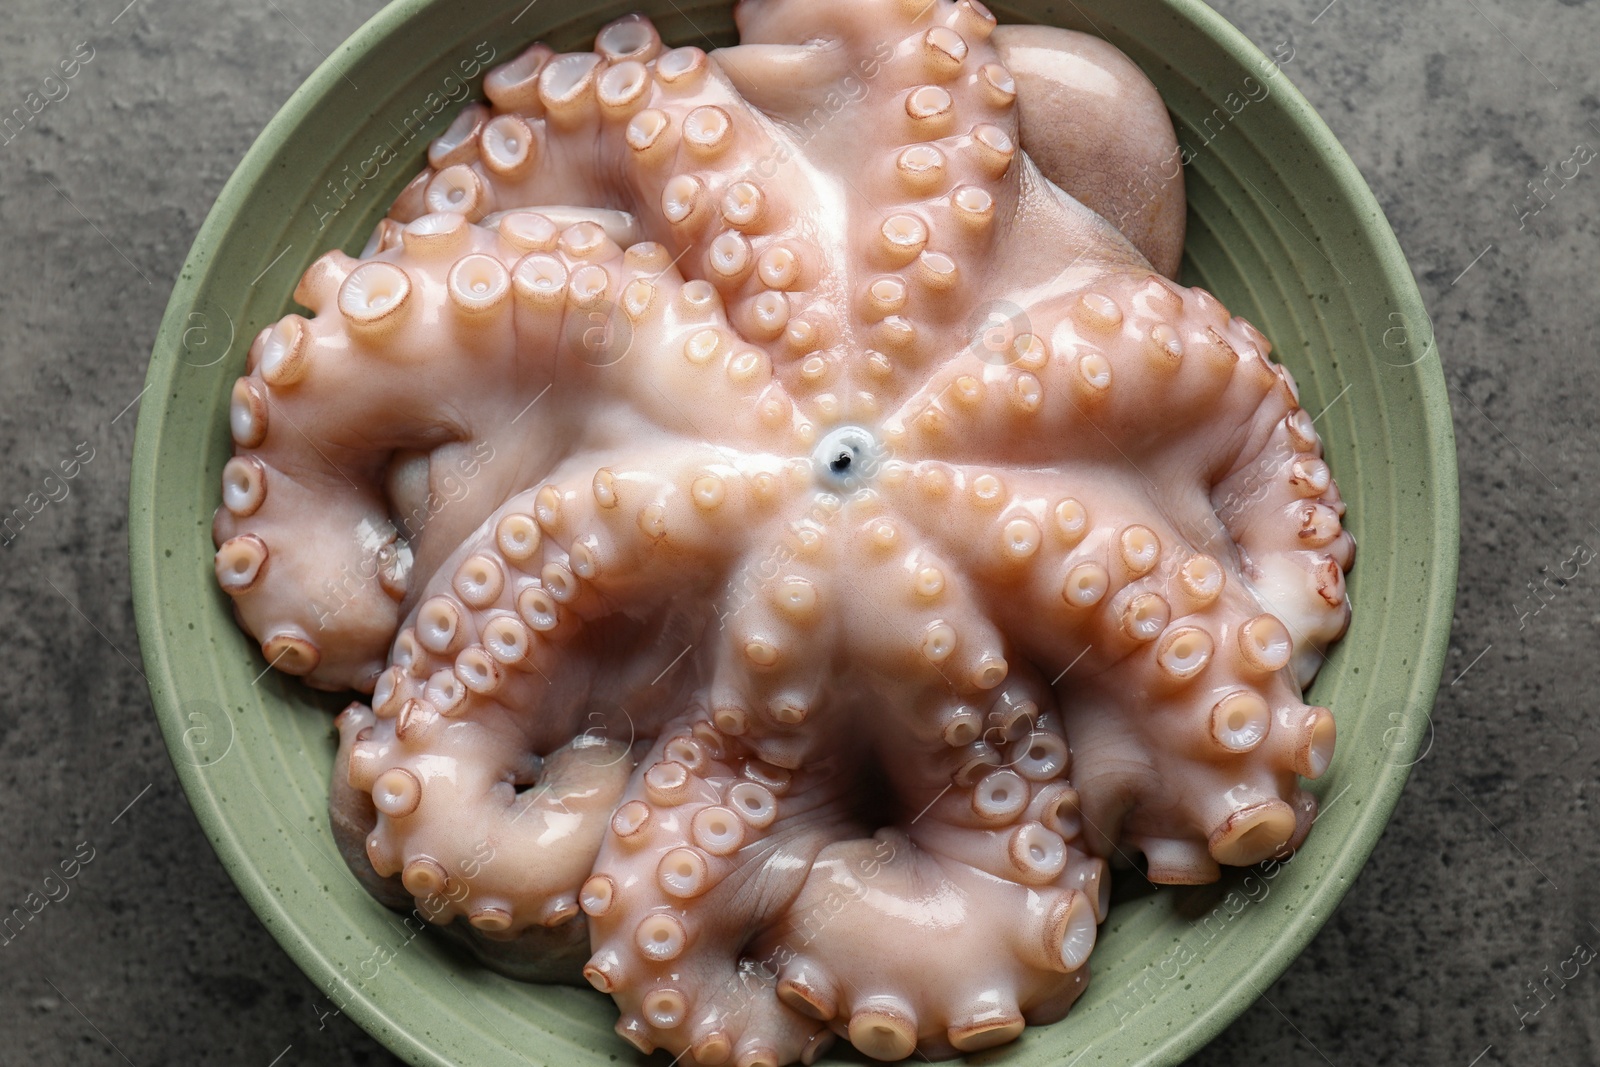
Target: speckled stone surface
(1467, 938)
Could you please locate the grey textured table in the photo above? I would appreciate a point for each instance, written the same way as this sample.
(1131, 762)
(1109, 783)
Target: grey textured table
(1485, 885)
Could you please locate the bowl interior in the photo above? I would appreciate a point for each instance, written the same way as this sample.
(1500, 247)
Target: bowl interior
(1281, 227)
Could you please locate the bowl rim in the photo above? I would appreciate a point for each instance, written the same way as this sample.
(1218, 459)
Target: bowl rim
(1434, 613)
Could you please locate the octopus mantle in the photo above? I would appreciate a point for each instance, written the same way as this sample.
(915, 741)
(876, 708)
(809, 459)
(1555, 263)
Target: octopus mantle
(791, 542)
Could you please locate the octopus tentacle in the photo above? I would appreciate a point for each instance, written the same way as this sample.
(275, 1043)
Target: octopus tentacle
(323, 512)
(531, 611)
(985, 850)
(920, 83)
(539, 953)
(352, 815)
(859, 954)
(454, 826)
(1176, 685)
(710, 844)
(1284, 511)
(454, 738)
(618, 127)
(1132, 369)
(1208, 706)
(776, 642)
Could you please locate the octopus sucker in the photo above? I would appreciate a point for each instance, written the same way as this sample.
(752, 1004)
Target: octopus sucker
(789, 547)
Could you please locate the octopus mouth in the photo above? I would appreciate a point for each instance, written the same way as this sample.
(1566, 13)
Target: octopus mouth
(847, 458)
(845, 540)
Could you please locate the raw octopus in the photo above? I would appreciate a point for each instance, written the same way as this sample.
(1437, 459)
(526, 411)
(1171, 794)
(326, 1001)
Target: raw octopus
(792, 541)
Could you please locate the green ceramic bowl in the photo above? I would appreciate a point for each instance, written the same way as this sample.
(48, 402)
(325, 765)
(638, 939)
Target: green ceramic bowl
(1281, 227)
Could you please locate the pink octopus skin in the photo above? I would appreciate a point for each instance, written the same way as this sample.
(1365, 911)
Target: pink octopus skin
(789, 541)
